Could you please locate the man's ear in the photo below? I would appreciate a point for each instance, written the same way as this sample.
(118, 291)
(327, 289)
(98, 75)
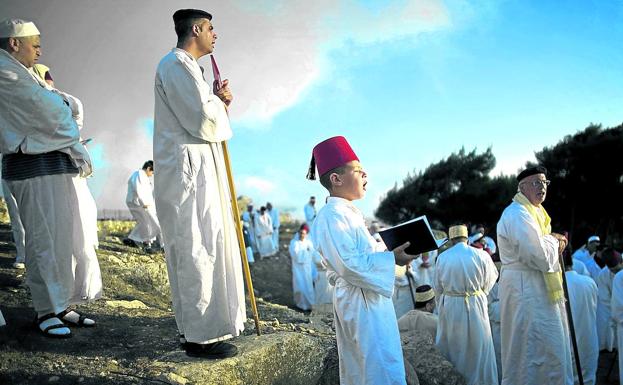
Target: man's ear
(336, 179)
(196, 30)
(14, 43)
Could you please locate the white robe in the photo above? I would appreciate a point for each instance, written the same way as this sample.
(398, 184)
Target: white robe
(264, 235)
(310, 213)
(494, 320)
(193, 201)
(140, 194)
(274, 217)
(323, 290)
(465, 275)
(88, 278)
(606, 328)
(37, 120)
(617, 315)
(418, 319)
(249, 219)
(403, 293)
(16, 224)
(588, 259)
(302, 283)
(580, 267)
(535, 336)
(424, 275)
(368, 340)
(583, 300)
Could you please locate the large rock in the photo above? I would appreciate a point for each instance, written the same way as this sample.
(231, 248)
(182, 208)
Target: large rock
(432, 368)
(271, 359)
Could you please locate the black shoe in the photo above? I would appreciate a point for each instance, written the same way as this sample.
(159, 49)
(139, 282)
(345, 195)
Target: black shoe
(215, 350)
(129, 242)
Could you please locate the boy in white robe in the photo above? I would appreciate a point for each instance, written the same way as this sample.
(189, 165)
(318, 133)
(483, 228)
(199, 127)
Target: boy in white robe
(463, 279)
(140, 202)
(361, 270)
(302, 253)
(192, 193)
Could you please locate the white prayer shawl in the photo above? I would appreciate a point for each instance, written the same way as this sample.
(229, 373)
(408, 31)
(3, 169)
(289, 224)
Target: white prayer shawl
(274, 217)
(140, 194)
(323, 290)
(16, 223)
(368, 340)
(264, 235)
(465, 275)
(88, 278)
(617, 315)
(193, 200)
(535, 336)
(302, 283)
(48, 124)
(583, 300)
(580, 267)
(493, 298)
(606, 328)
(310, 213)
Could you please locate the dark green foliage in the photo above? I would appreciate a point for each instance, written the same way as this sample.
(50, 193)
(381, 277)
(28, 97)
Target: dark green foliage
(586, 194)
(585, 197)
(455, 190)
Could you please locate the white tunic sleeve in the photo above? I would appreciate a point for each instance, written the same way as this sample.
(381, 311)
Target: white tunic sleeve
(201, 113)
(351, 256)
(617, 298)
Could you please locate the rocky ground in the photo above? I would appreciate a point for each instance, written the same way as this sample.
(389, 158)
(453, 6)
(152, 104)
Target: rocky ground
(135, 341)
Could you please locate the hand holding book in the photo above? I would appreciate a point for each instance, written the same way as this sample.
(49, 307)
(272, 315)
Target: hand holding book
(401, 257)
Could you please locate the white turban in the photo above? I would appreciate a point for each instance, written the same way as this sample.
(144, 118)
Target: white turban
(17, 28)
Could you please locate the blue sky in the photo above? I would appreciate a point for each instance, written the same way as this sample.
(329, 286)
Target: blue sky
(407, 82)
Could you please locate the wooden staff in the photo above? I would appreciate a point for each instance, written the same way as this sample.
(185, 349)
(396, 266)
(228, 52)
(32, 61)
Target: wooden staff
(236, 213)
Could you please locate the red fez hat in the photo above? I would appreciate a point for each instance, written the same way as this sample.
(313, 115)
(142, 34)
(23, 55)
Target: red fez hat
(329, 154)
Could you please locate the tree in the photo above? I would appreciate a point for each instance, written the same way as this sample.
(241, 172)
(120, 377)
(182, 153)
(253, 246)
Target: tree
(457, 189)
(586, 170)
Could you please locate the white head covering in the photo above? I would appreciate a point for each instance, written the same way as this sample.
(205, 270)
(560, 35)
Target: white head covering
(594, 238)
(474, 238)
(17, 28)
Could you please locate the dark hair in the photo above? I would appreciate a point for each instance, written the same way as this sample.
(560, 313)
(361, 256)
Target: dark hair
(325, 179)
(148, 164)
(184, 19)
(610, 257)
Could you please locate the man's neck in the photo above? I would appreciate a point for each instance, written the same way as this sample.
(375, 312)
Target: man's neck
(191, 48)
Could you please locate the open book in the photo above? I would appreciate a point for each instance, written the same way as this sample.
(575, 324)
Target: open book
(417, 231)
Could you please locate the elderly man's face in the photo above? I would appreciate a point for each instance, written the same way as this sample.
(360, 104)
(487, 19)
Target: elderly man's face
(534, 188)
(26, 50)
(592, 246)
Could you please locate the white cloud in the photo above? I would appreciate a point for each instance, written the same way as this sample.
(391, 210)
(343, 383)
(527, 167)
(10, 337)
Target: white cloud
(255, 183)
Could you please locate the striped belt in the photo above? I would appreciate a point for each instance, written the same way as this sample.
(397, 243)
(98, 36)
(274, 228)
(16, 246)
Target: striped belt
(465, 295)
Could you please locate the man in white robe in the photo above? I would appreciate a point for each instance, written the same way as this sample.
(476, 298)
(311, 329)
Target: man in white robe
(192, 194)
(264, 234)
(140, 202)
(580, 267)
(404, 287)
(587, 253)
(422, 317)
(302, 284)
(360, 269)
(310, 210)
(617, 315)
(40, 143)
(274, 217)
(535, 335)
(17, 228)
(606, 327)
(464, 277)
(583, 300)
(248, 217)
(493, 299)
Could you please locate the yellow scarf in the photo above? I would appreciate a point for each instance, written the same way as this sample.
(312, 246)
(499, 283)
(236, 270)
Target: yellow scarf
(553, 281)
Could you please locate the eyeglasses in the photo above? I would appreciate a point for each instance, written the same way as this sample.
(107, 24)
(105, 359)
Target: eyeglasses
(539, 183)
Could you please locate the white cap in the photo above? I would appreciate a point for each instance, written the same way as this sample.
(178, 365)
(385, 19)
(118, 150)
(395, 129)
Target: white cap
(475, 237)
(17, 28)
(593, 238)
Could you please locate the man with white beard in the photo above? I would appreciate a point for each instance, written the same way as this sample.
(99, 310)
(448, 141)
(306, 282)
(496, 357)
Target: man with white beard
(193, 196)
(535, 337)
(140, 202)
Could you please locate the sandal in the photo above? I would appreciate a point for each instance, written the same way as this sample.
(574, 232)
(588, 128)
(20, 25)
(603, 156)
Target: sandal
(51, 326)
(74, 319)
